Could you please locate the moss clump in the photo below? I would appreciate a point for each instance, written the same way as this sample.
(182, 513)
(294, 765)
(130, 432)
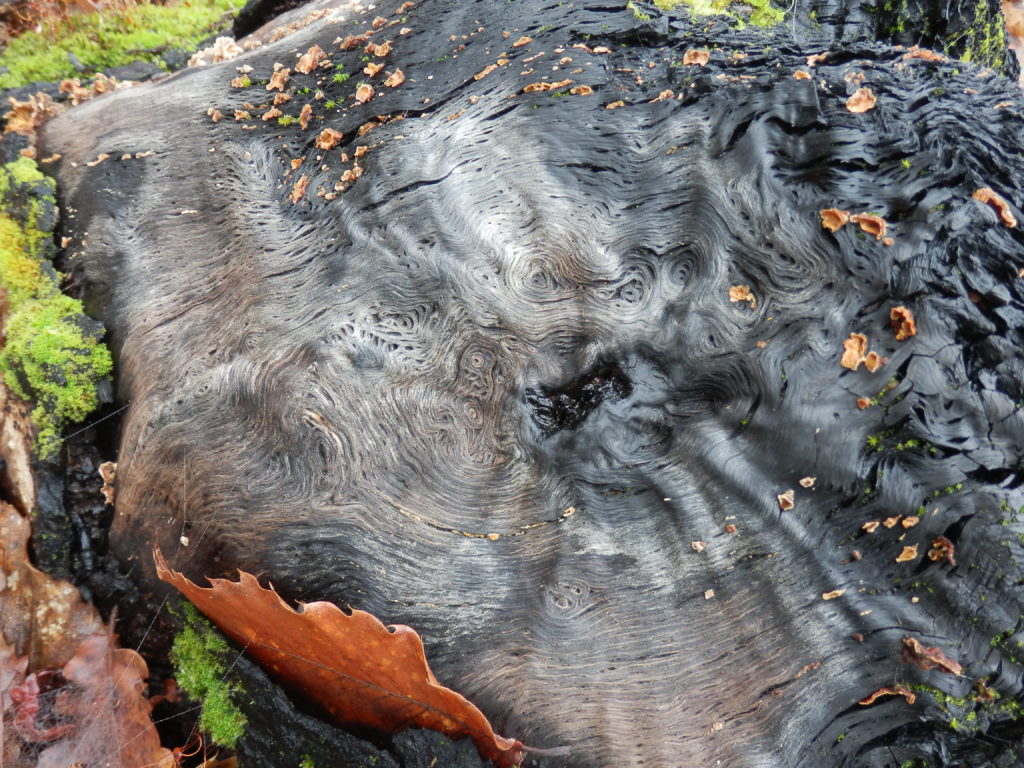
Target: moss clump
(51, 352)
(199, 654)
(110, 38)
(762, 12)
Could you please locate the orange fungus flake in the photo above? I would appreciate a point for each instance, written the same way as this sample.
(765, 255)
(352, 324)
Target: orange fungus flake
(299, 188)
(903, 323)
(854, 350)
(742, 293)
(862, 100)
(871, 224)
(395, 79)
(279, 79)
(364, 93)
(833, 218)
(309, 60)
(908, 554)
(696, 56)
(989, 196)
(328, 138)
(786, 500)
(898, 690)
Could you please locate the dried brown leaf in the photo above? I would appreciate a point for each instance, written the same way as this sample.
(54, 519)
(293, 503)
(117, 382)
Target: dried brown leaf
(991, 197)
(381, 678)
(862, 100)
(897, 690)
(833, 218)
(928, 658)
(903, 324)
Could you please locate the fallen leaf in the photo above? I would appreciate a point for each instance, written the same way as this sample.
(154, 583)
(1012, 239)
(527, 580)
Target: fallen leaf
(833, 218)
(522, 41)
(903, 324)
(372, 70)
(871, 224)
(304, 115)
(395, 79)
(310, 59)
(696, 56)
(279, 79)
(581, 90)
(786, 500)
(989, 196)
(802, 75)
(364, 93)
(742, 293)
(897, 690)
(833, 594)
(328, 138)
(928, 658)
(855, 348)
(380, 675)
(862, 100)
(380, 51)
(615, 105)
(908, 554)
(942, 549)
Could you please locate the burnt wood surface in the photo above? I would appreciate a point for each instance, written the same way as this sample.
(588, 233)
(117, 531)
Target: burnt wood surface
(496, 387)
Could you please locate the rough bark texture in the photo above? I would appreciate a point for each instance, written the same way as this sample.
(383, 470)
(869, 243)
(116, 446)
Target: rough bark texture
(496, 387)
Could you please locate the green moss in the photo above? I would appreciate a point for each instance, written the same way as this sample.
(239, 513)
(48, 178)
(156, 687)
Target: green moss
(762, 12)
(51, 352)
(110, 38)
(199, 655)
(307, 762)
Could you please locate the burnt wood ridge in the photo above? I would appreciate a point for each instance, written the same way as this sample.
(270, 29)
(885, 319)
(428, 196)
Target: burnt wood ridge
(520, 339)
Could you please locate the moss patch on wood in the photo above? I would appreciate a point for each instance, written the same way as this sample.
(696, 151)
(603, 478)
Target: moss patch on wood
(200, 655)
(51, 352)
(111, 38)
(761, 12)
